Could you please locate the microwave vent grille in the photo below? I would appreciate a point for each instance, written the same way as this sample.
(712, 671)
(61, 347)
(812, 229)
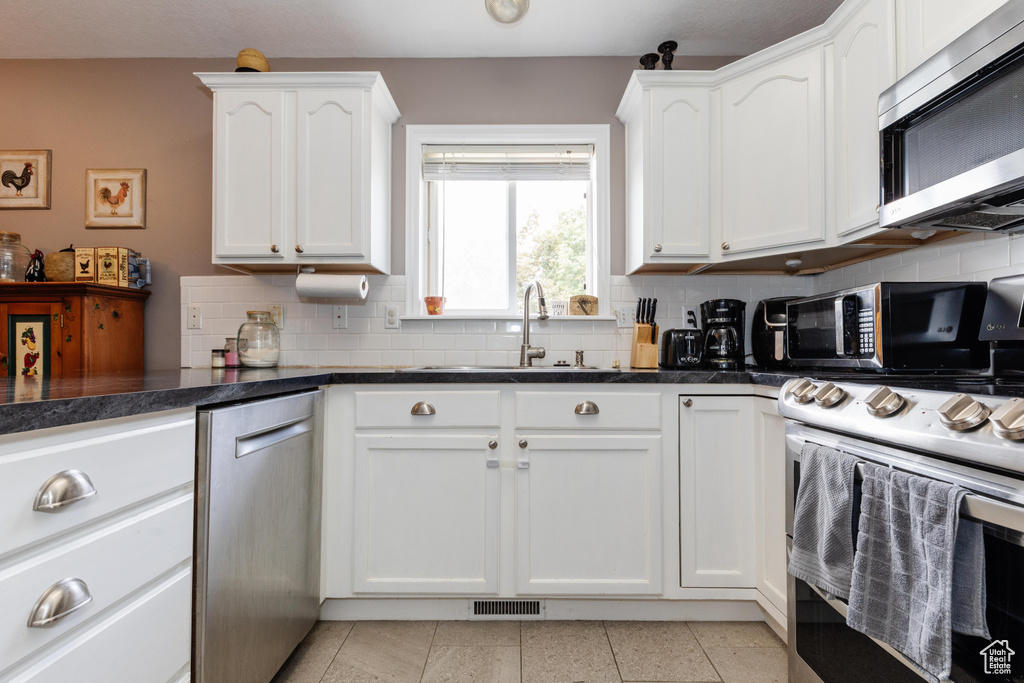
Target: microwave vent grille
(979, 220)
(982, 125)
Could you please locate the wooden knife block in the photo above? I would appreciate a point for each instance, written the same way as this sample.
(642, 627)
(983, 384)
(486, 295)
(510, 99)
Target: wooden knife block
(643, 354)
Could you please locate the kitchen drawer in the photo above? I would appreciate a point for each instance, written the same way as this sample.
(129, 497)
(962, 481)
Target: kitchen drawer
(127, 460)
(616, 410)
(148, 639)
(113, 561)
(451, 409)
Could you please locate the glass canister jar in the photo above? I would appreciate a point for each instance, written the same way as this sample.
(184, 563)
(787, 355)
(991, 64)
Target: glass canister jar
(231, 352)
(259, 342)
(14, 257)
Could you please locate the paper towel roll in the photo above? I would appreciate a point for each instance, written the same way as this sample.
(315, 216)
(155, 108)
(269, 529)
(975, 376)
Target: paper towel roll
(351, 288)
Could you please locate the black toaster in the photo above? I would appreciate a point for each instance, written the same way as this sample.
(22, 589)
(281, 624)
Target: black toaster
(681, 348)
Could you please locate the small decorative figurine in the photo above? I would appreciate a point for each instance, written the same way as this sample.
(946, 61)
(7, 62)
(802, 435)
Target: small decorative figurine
(649, 61)
(34, 272)
(667, 49)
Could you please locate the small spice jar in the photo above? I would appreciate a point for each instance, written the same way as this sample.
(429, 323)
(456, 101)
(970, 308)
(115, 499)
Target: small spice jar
(231, 352)
(259, 341)
(217, 358)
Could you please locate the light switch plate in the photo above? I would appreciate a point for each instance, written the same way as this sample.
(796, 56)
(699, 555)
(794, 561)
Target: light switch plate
(195, 317)
(339, 315)
(625, 316)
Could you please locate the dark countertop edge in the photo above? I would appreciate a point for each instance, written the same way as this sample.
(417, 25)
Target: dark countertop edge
(113, 397)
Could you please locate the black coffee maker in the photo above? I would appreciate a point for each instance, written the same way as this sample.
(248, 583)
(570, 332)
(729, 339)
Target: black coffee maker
(722, 320)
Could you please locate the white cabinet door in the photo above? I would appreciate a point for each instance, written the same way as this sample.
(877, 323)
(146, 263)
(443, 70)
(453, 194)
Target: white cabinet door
(716, 491)
(330, 178)
(588, 512)
(426, 514)
(863, 66)
(926, 26)
(772, 156)
(677, 180)
(770, 473)
(250, 183)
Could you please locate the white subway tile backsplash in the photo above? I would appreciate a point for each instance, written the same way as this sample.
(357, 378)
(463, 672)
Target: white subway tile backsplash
(309, 337)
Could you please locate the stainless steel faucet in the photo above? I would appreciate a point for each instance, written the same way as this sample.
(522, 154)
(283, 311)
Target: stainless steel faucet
(527, 353)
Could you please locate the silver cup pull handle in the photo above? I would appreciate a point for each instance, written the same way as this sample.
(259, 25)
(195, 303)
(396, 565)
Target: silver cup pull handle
(423, 408)
(62, 489)
(587, 408)
(58, 601)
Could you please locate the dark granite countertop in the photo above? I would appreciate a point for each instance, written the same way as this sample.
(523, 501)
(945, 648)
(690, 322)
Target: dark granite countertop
(28, 403)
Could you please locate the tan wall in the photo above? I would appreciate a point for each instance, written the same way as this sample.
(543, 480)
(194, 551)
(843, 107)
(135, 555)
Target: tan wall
(153, 114)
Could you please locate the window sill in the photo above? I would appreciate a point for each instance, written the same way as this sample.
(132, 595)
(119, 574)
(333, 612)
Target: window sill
(510, 318)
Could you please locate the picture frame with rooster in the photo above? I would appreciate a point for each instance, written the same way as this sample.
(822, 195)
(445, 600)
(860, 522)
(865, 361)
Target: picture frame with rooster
(115, 198)
(25, 179)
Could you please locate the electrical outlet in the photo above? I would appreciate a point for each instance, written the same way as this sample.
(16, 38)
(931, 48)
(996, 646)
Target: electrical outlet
(391, 321)
(625, 315)
(340, 316)
(277, 315)
(195, 317)
(693, 311)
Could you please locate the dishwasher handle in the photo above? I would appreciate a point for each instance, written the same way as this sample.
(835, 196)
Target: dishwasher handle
(253, 442)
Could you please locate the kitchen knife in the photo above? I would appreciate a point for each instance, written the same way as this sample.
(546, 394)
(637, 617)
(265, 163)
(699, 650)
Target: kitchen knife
(636, 318)
(654, 334)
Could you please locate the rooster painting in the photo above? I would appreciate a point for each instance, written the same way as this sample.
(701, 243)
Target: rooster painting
(114, 200)
(18, 182)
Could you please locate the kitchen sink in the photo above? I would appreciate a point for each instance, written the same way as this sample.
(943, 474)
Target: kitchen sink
(502, 368)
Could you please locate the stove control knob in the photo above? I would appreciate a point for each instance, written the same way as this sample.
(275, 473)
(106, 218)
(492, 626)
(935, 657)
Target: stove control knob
(828, 395)
(802, 390)
(883, 402)
(961, 412)
(1008, 420)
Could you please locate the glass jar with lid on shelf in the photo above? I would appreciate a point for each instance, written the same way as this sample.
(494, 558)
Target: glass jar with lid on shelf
(14, 257)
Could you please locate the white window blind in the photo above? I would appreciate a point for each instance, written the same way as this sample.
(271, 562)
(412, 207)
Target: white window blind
(507, 162)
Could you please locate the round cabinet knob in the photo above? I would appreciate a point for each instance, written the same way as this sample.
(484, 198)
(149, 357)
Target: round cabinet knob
(802, 390)
(961, 412)
(883, 402)
(657, 248)
(523, 443)
(273, 248)
(1008, 420)
(492, 444)
(299, 249)
(829, 395)
(725, 246)
(687, 402)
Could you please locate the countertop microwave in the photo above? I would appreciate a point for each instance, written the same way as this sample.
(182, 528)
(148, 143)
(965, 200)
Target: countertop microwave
(890, 326)
(952, 133)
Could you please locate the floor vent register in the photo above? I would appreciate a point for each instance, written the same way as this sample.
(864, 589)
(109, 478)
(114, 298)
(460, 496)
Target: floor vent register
(506, 609)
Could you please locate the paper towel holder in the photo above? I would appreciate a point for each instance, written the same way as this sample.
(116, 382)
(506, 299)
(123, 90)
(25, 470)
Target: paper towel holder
(304, 269)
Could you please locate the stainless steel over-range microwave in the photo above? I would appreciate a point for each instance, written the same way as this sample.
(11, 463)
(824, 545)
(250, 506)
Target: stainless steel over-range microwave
(890, 326)
(952, 133)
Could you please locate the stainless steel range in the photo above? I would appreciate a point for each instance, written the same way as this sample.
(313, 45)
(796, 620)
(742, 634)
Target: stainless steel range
(954, 431)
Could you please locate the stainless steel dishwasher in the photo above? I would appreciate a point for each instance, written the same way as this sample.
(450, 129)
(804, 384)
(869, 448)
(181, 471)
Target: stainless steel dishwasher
(257, 554)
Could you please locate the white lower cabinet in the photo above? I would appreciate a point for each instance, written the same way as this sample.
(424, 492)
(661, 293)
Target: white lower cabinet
(588, 515)
(716, 491)
(426, 514)
(117, 561)
(770, 474)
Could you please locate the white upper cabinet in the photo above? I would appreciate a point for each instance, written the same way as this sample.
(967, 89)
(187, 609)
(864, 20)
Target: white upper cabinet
(302, 170)
(863, 65)
(772, 144)
(667, 170)
(926, 26)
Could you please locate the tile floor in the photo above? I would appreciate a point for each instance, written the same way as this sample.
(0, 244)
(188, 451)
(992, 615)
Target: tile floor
(537, 652)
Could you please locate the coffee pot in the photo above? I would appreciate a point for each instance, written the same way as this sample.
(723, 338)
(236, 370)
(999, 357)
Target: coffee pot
(723, 320)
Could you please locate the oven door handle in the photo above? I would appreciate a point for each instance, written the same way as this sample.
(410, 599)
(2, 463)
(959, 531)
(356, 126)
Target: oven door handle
(981, 509)
(841, 607)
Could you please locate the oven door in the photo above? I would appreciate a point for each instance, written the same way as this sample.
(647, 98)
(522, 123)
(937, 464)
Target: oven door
(823, 648)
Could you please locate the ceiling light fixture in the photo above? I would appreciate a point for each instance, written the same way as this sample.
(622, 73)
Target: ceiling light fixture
(507, 11)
